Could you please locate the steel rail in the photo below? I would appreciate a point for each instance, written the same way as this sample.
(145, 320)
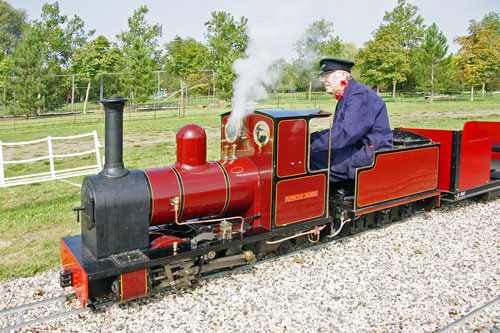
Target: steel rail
(470, 315)
(66, 313)
(21, 323)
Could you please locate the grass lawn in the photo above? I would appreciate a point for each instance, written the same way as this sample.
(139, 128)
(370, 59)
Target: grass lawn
(34, 217)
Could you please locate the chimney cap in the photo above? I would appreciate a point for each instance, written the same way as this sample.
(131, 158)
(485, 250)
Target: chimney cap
(114, 99)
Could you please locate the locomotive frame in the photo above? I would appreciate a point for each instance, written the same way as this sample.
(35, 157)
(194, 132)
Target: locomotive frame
(145, 230)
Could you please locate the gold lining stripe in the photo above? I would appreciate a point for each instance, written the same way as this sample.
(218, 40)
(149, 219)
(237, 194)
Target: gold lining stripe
(307, 218)
(181, 193)
(278, 147)
(374, 209)
(228, 187)
(121, 287)
(390, 152)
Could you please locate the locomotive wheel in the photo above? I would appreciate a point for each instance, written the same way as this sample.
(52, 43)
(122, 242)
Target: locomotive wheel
(284, 247)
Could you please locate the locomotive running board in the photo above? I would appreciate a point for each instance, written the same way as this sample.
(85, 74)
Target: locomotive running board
(99, 269)
(492, 189)
(399, 202)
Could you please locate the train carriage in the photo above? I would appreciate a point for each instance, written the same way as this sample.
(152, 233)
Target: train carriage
(469, 159)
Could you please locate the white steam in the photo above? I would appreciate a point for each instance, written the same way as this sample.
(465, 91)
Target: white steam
(268, 41)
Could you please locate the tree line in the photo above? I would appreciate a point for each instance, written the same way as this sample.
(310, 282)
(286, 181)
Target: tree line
(403, 54)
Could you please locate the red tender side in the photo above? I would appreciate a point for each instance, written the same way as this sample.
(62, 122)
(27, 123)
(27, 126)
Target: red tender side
(397, 174)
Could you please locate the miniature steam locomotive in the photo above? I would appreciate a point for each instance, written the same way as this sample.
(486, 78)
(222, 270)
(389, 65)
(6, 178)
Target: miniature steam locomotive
(146, 230)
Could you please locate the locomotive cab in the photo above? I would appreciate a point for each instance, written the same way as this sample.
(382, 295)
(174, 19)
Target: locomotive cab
(277, 141)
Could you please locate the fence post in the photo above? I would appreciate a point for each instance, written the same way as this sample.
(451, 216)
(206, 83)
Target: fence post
(97, 152)
(73, 95)
(51, 158)
(101, 92)
(2, 178)
(3, 102)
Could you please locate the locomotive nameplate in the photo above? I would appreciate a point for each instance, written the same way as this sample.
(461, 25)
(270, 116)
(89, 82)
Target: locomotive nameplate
(301, 196)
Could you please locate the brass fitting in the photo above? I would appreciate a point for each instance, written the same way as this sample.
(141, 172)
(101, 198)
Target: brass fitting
(249, 255)
(233, 151)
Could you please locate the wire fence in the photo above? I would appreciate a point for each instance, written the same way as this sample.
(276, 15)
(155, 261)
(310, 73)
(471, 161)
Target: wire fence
(67, 93)
(158, 108)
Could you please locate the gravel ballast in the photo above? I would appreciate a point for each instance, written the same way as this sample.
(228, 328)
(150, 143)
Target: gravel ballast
(416, 276)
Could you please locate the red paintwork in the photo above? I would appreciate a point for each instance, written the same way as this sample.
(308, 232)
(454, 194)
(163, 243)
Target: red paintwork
(80, 277)
(444, 137)
(490, 129)
(401, 202)
(263, 160)
(201, 186)
(475, 157)
(396, 174)
(191, 146)
(205, 191)
(300, 199)
(166, 240)
(475, 153)
(134, 284)
(291, 154)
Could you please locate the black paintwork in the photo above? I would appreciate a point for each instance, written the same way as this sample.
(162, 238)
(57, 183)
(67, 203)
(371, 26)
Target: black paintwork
(116, 213)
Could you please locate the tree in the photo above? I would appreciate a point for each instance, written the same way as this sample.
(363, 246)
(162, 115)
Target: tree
(62, 36)
(384, 60)
(479, 55)
(407, 26)
(140, 49)
(432, 54)
(5, 65)
(185, 57)
(407, 30)
(285, 74)
(316, 43)
(11, 26)
(139, 28)
(227, 41)
(27, 67)
(138, 77)
(94, 59)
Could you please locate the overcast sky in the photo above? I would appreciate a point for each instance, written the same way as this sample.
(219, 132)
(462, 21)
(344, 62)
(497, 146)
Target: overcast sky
(354, 20)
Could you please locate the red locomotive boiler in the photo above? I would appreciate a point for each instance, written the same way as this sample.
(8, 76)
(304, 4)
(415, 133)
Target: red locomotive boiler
(145, 230)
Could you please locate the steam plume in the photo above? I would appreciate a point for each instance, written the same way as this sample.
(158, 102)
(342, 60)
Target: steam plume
(268, 41)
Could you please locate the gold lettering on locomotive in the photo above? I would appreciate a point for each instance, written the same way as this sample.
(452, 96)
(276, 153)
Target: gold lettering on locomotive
(301, 196)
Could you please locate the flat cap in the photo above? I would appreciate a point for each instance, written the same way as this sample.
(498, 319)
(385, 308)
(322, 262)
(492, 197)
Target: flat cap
(334, 64)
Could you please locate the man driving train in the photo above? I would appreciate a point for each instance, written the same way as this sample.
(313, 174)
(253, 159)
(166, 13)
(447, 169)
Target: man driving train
(360, 124)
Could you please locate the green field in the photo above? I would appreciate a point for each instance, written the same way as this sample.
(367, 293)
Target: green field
(34, 217)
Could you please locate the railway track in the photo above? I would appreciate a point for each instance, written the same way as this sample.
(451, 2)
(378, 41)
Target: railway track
(472, 315)
(59, 301)
(64, 312)
(40, 305)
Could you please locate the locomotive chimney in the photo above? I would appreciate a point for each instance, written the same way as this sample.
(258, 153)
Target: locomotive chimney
(113, 161)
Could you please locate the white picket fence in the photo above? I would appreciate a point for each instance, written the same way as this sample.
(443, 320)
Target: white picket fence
(53, 174)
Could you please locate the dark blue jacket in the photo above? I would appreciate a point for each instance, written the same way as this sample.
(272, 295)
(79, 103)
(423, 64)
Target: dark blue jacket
(360, 127)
